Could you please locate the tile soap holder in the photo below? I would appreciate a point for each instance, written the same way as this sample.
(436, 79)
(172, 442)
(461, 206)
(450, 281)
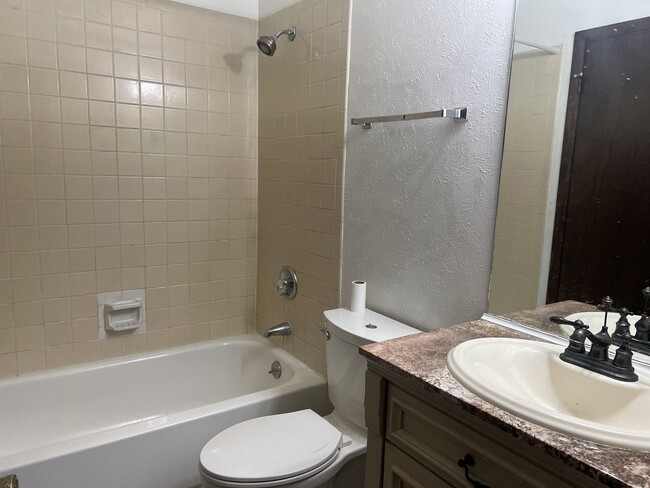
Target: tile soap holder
(121, 313)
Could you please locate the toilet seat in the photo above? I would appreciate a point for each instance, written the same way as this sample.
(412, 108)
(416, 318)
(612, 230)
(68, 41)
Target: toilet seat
(285, 448)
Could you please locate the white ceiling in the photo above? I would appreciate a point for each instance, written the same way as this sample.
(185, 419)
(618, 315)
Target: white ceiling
(243, 8)
(252, 9)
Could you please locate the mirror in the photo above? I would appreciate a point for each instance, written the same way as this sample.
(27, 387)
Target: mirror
(567, 165)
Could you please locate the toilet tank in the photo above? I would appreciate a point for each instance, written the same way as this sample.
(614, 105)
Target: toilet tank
(346, 368)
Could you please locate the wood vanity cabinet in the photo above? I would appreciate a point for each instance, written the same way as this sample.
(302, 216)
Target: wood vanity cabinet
(416, 439)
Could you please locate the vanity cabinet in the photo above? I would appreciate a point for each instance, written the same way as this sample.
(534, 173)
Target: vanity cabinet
(416, 439)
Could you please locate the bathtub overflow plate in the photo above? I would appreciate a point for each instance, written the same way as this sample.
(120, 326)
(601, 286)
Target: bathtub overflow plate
(276, 369)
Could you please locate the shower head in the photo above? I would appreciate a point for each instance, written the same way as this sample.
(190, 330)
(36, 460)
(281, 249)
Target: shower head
(268, 45)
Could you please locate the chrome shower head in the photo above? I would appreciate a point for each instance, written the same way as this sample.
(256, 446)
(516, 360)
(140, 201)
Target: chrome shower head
(267, 44)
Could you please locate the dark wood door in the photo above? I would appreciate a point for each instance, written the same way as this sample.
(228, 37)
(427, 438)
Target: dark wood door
(601, 235)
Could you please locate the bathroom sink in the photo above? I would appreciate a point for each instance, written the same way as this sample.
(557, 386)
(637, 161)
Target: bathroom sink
(595, 321)
(528, 379)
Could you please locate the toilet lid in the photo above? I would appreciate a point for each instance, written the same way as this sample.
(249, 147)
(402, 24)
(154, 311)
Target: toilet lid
(272, 448)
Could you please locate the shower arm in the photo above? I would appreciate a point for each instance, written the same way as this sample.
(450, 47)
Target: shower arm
(290, 33)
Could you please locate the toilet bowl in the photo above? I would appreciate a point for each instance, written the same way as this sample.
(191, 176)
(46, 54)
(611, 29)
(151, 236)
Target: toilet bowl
(301, 449)
(304, 451)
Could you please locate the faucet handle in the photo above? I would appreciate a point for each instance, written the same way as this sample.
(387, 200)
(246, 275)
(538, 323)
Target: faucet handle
(623, 358)
(281, 286)
(577, 337)
(606, 304)
(578, 324)
(287, 284)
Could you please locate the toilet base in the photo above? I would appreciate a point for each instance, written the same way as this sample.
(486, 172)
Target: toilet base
(353, 473)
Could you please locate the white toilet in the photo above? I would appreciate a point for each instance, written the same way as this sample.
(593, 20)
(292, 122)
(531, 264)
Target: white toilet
(302, 449)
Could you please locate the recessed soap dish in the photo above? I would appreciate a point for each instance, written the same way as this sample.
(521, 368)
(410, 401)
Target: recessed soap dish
(121, 312)
(122, 315)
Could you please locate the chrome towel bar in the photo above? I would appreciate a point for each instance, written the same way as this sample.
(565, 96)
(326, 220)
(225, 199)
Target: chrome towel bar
(454, 113)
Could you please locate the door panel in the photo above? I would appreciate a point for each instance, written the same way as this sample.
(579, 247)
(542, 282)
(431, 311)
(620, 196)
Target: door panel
(600, 243)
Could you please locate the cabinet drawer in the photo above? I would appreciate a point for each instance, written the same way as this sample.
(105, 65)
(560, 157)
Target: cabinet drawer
(401, 471)
(438, 440)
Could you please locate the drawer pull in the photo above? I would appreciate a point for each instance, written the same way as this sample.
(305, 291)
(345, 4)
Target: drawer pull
(466, 463)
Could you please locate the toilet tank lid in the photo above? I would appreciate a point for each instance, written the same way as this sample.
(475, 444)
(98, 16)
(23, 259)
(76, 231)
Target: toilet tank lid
(364, 328)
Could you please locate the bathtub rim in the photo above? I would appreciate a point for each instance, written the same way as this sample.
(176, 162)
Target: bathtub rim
(141, 356)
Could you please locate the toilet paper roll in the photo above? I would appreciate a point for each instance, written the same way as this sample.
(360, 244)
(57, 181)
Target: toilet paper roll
(358, 300)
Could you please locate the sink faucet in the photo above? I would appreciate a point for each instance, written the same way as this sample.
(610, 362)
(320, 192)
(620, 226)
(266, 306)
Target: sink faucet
(282, 329)
(597, 360)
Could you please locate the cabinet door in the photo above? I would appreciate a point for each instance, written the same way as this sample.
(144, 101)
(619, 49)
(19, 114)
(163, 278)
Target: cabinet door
(401, 471)
(438, 439)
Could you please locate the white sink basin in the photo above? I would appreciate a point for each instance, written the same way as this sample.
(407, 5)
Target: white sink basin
(595, 321)
(528, 379)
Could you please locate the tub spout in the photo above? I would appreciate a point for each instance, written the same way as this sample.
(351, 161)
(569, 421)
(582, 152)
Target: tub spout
(282, 329)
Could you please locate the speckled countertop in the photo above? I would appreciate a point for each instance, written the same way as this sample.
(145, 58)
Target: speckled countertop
(420, 360)
(537, 318)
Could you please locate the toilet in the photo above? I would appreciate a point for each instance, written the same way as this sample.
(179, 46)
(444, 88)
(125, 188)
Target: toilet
(302, 449)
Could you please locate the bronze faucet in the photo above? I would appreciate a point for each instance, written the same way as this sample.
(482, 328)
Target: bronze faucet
(597, 359)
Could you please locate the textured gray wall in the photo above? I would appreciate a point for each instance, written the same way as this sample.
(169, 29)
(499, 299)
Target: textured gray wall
(420, 197)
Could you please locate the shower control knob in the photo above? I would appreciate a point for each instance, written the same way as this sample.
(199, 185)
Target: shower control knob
(287, 284)
(282, 286)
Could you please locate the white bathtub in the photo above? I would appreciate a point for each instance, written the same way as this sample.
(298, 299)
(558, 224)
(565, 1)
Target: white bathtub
(141, 421)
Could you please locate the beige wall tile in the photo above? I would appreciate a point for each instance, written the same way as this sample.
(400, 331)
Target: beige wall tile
(71, 58)
(73, 84)
(28, 338)
(59, 356)
(42, 27)
(14, 78)
(70, 31)
(298, 189)
(13, 20)
(126, 65)
(125, 40)
(127, 91)
(8, 365)
(524, 182)
(149, 20)
(84, 352)
(124, 15)
(98, 36)
(13, 50)
(115, 175)
(26, 289)
(100, 88)
(100, 62)
(32, 360)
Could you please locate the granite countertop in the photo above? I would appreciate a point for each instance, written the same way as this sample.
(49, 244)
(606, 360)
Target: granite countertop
(537, 318)
(420, 360)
